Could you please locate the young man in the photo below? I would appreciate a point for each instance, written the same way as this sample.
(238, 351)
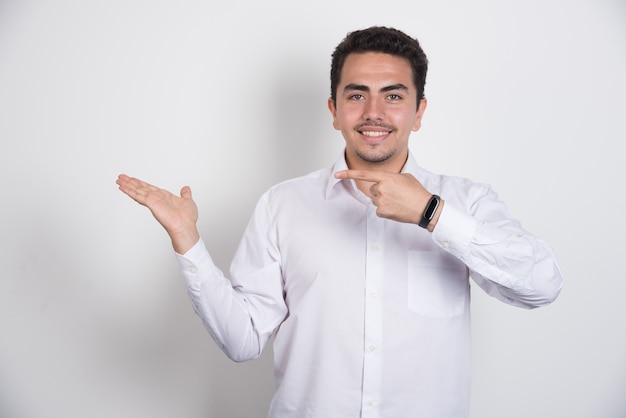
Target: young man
(361, 270)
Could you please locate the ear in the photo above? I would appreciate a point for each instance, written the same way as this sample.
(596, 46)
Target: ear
(333, 111)
(418, 115)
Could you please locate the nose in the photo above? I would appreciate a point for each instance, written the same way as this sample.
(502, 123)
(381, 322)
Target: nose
(374, 109)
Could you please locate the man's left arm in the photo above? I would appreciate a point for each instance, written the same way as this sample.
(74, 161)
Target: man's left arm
(505, 260)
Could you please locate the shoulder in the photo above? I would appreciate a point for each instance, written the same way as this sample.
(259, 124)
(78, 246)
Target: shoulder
(461, 191)
(443, 184)
(306, 186)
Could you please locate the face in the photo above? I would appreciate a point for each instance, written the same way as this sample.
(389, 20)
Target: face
(376, 110)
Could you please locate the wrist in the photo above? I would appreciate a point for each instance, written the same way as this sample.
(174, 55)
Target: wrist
(182, 241)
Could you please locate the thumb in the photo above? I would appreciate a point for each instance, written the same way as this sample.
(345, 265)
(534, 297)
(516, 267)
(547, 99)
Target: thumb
(185, 192)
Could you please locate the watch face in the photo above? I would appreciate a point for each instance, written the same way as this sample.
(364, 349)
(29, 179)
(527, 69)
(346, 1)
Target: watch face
(429, 212)
(432, 207)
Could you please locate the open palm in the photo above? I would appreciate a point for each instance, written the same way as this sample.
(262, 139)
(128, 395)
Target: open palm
(178, 215)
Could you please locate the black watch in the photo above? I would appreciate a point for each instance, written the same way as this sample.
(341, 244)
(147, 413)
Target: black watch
(430, 210)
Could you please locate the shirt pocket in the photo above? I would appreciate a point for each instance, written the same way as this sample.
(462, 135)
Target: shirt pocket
(438, 284)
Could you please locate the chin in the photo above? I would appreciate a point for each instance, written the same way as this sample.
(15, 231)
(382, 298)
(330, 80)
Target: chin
(376, 158)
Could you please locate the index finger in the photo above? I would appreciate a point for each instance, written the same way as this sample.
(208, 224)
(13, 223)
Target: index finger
(365, 175)
(133, 186)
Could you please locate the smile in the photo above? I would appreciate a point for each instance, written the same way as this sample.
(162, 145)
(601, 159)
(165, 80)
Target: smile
(374, 133)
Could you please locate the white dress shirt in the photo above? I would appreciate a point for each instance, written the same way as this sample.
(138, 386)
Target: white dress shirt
(371, 316)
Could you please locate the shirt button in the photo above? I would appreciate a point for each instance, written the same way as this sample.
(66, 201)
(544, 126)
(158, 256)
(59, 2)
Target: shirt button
(375, 248)
(372, 348)
(372, 402)
(375, 294)
(193, 270)
(445, 244)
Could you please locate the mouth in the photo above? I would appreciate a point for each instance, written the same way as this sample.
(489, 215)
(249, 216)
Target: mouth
(374, 133)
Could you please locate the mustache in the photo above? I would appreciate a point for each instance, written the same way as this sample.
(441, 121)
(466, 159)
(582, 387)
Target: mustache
(374, 125)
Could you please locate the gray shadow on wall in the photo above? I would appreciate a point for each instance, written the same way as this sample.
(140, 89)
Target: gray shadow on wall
(300, 139)
(303, 137)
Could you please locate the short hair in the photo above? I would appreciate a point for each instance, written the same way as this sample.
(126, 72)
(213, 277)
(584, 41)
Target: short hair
(385, 40)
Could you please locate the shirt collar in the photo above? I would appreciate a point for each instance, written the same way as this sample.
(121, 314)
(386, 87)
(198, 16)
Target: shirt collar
(340, 164)
(412, 167)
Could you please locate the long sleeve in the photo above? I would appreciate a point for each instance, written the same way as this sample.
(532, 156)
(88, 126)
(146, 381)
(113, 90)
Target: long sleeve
(241, 313)
(370, 316)
(506, 261)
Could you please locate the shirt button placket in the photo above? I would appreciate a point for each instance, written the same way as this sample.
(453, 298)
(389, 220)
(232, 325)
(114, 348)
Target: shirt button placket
(372, 345)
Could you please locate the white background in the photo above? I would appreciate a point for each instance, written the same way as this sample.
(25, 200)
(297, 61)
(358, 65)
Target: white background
(230, 98)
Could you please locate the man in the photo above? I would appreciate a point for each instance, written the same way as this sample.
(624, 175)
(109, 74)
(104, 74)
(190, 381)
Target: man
(361, 270)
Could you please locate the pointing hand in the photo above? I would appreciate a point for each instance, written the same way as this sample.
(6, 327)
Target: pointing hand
(397, 196)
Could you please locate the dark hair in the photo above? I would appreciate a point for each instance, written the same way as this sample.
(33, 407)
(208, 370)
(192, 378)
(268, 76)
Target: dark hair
(380, 39)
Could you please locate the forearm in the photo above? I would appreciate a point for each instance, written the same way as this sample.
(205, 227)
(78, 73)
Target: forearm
(506, 261)
(233, 319)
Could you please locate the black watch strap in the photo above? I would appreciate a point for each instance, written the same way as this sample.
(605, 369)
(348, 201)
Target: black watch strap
(430, 210)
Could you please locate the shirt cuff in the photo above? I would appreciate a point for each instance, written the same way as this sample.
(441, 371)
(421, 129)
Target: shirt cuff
(455, 228)
(196, 265)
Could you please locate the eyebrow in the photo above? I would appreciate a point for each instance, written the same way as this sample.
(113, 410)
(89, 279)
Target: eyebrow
(361, 87)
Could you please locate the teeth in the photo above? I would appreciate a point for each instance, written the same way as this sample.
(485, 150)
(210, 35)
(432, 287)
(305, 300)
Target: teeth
(374, 133)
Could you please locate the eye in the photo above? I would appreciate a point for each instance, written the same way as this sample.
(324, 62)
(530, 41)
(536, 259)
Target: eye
(394, 97)
(356, 96)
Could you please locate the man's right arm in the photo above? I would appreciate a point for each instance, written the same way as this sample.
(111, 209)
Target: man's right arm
(241, 314)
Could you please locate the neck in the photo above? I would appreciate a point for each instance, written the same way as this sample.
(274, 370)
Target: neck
(393, 165)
